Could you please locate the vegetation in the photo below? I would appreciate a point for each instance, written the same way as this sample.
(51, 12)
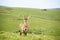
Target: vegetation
(43, 25)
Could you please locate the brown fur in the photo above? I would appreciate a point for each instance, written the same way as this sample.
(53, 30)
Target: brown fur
(24, 26)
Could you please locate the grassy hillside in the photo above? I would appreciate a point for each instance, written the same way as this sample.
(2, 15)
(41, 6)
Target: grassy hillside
(42, 22)
(15, 36)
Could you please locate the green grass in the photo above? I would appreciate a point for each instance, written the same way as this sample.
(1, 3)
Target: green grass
(43, 22)
(15, 36)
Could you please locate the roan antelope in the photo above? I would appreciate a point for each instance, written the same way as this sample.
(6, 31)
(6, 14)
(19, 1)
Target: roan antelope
(24, 26)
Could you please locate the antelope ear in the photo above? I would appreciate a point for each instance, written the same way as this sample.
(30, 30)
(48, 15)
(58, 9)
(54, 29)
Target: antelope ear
(23, 16)
(29, 17)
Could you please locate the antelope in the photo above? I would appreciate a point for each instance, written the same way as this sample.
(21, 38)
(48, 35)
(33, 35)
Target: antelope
(24, 26)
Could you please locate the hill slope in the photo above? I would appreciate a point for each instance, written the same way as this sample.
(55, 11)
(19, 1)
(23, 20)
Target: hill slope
(41, 22)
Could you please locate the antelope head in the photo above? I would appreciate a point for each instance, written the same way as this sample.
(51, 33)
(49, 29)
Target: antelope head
(25, 18)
